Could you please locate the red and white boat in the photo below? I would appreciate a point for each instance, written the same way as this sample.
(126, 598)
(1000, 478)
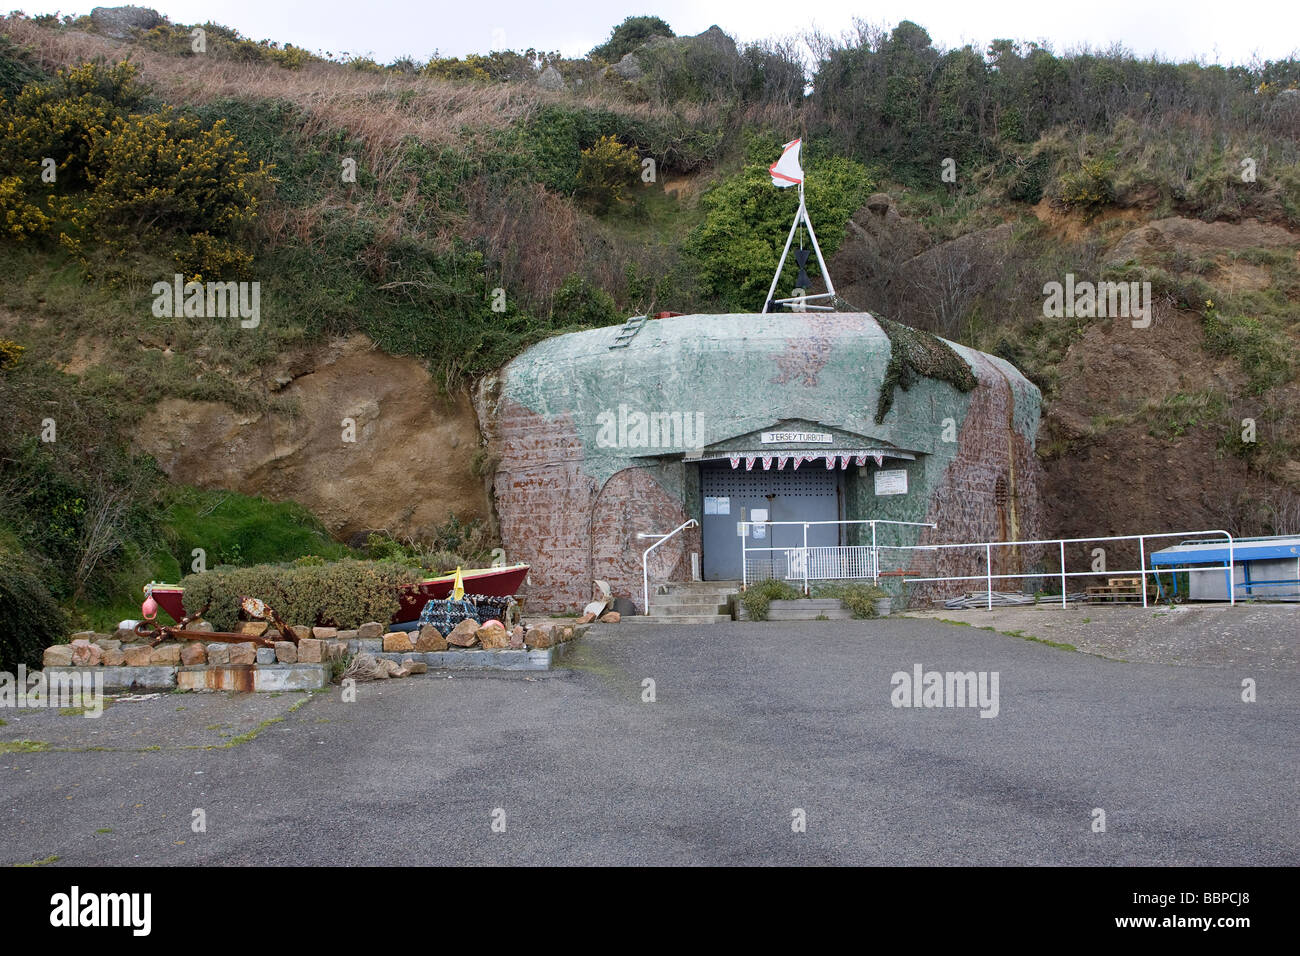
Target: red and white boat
(493, 582)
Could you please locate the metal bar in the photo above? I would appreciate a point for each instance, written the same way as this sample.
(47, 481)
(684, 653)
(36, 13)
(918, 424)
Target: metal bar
(1062, 574)
(826, 275)
(875, 557)
(784, 252)
(805, 559)
(1142, 562)
(645, 555)
(988, 558)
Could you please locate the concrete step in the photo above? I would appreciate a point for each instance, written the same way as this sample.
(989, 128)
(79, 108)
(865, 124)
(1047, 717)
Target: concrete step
(677, 619)
(687, 600)
(725, 586)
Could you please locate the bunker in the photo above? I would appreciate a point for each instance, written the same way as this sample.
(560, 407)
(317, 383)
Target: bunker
(604, 435)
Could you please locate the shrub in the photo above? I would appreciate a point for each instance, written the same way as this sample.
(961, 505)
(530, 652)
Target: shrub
(578, 302)
(10, 353)
(758, 598)
(1090, 187)
(607, 172)
(343, 594)
(629, 35)
(30, 618)
(859, 598)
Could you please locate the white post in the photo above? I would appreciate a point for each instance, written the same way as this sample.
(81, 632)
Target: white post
(1142, 563)
(1232, 575)
(784, 252)
(1062, 572)
(805, 558)
(826, 276)
(875, 556)
(988, 574)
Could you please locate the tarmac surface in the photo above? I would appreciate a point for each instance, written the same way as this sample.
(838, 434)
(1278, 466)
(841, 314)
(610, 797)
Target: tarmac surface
(754, 727)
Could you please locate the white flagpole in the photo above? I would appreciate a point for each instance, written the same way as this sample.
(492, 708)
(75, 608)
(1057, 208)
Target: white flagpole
(786, 251)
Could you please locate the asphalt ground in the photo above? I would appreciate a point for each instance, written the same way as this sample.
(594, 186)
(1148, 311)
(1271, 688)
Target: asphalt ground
(753, 728)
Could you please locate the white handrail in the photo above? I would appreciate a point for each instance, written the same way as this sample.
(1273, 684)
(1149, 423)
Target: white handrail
(645, 555)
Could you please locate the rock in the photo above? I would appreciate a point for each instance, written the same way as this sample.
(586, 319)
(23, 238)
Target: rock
(336, 650)
(108, 643)
(551, 79)
(325, 633)
(346, 636)
(398, 642)
(193, 652)
(121, 22)
(245, 653)
(493, 635)
(371, 631)
(86, 654)
(464, 634)
(168, 654)
(586, 618)
(85, 636)
(60, 655)
(567, 633)
(114, 658)
(310, 651)
(204, 626)
(253, 628)
(218, 653)
(517, 637)
(416, 667)
(302, 632)
(613, 617)
(138, 655)
(629, 68)
(265, 655)
(125, 635)
(430, 639)
(286, 652)
(539, 637)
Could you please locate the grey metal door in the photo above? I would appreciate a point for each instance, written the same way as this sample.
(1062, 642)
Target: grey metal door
(810, 494)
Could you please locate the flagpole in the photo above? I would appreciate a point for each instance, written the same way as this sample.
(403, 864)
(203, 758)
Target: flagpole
(786, 251)
(800, 215)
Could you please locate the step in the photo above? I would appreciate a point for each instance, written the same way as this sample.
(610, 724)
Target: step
(704, 585)
(684, 598)
(672, 619)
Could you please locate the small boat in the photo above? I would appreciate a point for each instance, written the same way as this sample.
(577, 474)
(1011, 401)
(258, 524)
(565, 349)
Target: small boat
(492, 582)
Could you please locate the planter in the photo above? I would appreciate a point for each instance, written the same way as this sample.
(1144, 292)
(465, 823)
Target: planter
(883, 606)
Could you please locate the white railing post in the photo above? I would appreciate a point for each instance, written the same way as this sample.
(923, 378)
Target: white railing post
(645, 559)
(988, 573)
(1062, 572)
(1142, 563)
(1232, 575)
(875, 556)
(806, 558)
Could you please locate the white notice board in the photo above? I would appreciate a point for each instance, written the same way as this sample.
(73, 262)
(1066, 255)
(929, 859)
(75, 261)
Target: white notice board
(891, 482)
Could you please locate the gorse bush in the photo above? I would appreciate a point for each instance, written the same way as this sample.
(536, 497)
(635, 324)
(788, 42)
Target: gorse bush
(607, 174)
(343, 594)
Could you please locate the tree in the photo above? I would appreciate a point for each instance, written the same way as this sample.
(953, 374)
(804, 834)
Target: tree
(629, 35)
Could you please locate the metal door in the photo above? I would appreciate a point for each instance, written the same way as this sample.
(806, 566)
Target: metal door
(810, 494)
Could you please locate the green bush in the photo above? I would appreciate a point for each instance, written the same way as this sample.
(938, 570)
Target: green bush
(857, 597)
(757, 598)
(579, 302)
(629, 35)
(607, 174)
(30, 618)
(343, 594)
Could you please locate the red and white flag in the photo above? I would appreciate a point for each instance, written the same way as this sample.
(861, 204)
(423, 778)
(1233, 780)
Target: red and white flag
(735, 461)
(767, 462)
(830, 461)
(786, 171)
(781, 460)
(749, 464)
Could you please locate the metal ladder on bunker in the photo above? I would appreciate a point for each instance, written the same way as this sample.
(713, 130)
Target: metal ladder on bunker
(628, 332)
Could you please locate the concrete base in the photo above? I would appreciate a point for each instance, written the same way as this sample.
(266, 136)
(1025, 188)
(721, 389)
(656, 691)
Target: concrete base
(507, 660)
(246, 677)
(154, 677)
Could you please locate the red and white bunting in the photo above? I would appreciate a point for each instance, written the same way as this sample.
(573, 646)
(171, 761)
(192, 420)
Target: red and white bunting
(844, 462)
(830, 461)
(767, 462)
(749, 463)
(735, 461)
(781, 460)
(860, 461)
(798, 460)
(880, 460)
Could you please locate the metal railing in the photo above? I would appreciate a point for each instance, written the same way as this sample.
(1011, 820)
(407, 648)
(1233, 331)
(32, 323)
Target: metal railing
(645, 556)
(815, 562)
(988, 576)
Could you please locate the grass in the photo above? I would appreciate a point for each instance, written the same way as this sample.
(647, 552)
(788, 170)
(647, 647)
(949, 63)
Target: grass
(23, 746)
(45, 862)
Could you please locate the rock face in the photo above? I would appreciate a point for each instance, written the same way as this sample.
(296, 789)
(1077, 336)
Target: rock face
(404, 429)
(121, 22)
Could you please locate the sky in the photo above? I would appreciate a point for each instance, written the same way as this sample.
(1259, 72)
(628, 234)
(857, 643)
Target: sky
(1208, 30)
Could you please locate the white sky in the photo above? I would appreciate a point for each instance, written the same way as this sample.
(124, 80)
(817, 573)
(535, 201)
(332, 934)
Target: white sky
(1209, 30)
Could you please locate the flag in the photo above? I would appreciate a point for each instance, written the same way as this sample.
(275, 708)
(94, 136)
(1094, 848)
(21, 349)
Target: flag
(786, 171)
(458, 589)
